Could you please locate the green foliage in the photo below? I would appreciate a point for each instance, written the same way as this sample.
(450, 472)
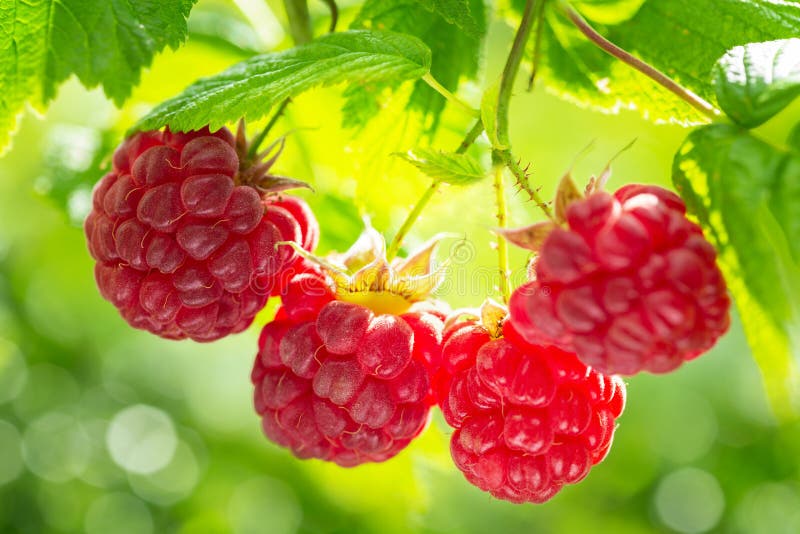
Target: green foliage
(727, 176)
(249, 89)
(489, 115)
(446, 167)
(452, 29)
(755, 81)
(108, 42)
(682, 38)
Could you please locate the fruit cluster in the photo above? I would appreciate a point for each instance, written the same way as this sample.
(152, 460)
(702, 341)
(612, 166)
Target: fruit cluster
(191, 236)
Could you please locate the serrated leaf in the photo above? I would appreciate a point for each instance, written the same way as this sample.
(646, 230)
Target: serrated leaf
(756, 81)
(458, 13)
(455, 51)
(446, 167)
(728, 178)
(102, 42)
(682, 38)
(249, 89)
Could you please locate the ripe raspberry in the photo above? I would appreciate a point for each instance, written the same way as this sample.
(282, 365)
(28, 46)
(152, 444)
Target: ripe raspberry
(631, 285)
(343, 372)
(184, 244)
(346, 386)
(529, 419)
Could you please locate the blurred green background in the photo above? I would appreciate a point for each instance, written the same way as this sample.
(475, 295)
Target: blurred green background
(104, 429)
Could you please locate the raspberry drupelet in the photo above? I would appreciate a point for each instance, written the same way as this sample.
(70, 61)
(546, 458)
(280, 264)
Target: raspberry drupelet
(528, 418)
(183, 230)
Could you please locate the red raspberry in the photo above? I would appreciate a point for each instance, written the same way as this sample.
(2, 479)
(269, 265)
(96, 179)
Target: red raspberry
(182, 248)
(631, 285)
(529, 419)
(335, 381)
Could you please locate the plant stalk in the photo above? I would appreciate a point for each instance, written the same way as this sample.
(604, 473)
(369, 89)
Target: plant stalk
(521, 175)
(537, 45)
(502, 222)
(416, 211)
(511, 68)
(299, 20)
(442, 90)
(651, 72)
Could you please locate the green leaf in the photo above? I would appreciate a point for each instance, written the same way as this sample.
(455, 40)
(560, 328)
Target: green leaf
(250, 88)
(108, 42)
(746, 194)
(682, 38)
(458, 13)
(793, 139)
(446, 167)
(756, 81)
(455, 51)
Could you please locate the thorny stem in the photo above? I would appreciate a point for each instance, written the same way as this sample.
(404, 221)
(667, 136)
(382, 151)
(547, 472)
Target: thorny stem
(651, 72)
(537, 44)
(416, 211)
(442, 90)
(263, 135)
(502, 222)
(522, 179)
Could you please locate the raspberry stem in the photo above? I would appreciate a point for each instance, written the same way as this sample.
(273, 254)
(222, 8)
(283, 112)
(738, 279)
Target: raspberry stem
(334, 9)
(522, 179)
(502, 222)
(416, 211)
(299, 20)
(259, 139)
(442, 90)
(651, 72)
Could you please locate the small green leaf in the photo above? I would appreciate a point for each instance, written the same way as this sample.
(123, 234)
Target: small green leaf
(489, 115)
(755, 81)
(446, 167)
(250, 88)
(102, 42)
(746, 194)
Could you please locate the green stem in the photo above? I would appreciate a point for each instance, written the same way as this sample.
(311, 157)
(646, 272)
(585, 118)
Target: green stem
(416, 211)
(472, 135)
(502, 222)
(410, 220)
(510, 71)
(519, 173)
(651, 72)
(334, 9)
(442, 90)
(259, 139)
(299, 20)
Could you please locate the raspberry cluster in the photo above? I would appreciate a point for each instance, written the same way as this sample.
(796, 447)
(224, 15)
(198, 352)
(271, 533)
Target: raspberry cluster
(630, 284)
(335, 381)
(183, 249)
(528, 418)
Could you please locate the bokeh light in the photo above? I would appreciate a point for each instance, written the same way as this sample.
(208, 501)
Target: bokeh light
(690, 501)
(141, 439)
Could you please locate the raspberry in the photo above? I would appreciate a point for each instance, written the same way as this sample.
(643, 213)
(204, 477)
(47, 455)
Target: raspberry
(344, 384)
(630, 285)
(343, 372)
(183, 247)
(528, 418)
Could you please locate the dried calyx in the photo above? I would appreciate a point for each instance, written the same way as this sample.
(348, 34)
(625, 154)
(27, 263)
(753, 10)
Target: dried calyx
(364, 276)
